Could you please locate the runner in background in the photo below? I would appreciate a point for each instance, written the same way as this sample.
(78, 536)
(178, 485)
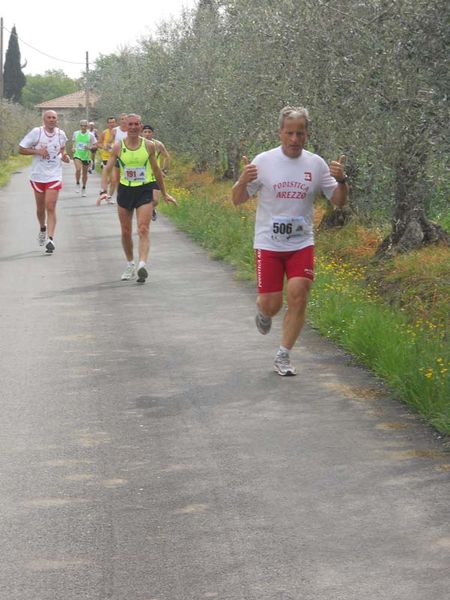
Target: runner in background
(105, 144)
(83, 141)
(47, 146)
(138, 169)
(163, 159)
(93, 130)
(119, 134)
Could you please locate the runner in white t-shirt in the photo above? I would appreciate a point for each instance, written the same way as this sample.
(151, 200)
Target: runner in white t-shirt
(119, 133)
(288, 179)
(47, 145)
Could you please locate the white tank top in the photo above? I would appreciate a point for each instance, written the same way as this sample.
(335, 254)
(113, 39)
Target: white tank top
(119, 134)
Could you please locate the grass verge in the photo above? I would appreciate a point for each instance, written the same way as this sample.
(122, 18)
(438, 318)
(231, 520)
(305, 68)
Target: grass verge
(10, 165)
(393, 319)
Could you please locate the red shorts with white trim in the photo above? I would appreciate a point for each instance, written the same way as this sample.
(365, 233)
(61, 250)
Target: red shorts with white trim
(40, 186)
(271, 267)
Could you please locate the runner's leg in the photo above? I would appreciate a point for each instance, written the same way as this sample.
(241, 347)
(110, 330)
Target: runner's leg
(40, 207)
(51, 197)
(297, 291)
(85, 174)
(77, 163)
(143, 217)
(126, 225)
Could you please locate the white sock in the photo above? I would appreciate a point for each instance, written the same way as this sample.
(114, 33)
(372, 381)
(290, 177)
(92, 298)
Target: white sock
(131, 263)
(283, 349)
(141, 264)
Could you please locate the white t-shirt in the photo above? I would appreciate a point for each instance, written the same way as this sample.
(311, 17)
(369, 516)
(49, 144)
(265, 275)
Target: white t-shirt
(287, 189)
(119, 134)
(48, 169)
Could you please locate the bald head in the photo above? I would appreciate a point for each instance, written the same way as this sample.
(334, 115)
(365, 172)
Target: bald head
(50, 119)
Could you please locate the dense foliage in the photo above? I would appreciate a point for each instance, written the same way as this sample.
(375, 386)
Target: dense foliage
(15, 121)
(373, 74)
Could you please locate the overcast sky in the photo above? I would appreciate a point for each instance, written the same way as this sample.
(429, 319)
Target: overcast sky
(67, 31)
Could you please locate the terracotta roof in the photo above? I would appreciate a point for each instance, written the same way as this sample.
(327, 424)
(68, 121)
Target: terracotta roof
(75, 100)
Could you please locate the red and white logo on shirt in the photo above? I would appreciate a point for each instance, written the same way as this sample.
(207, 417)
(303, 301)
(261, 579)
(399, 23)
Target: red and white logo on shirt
(308, 176)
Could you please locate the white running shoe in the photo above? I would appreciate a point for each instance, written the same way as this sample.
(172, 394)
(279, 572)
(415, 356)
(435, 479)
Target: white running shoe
(282, 364)
(50, 246)
(263, 323)
(83, 192)
(42, 237)
(109, 200)
(129, 273)
(142, 274)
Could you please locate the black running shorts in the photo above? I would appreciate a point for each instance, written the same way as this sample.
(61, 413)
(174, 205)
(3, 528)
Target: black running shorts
(131, 197)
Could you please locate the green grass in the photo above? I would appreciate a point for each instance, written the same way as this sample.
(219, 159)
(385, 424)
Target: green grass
(9, 166)
(403, 346)
(222, 231)
(412, 358)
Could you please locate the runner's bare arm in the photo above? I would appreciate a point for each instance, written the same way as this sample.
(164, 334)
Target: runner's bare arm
(339, 197)
(107, 169)
(239, 193)
(165, 158)
(64, 156)
(158, 173)
(33, 151)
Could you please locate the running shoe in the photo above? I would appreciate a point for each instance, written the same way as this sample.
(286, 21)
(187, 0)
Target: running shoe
(154, 215)
(282, 364)
(50, 246)
(129, 273)
(142, 274)
(109, 200)
(83, 192)
(263, 323)
(42, 237)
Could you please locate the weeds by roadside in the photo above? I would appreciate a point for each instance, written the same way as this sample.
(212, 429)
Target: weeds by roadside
(10, 165)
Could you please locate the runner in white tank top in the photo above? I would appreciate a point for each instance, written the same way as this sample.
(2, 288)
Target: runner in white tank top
(119, 133)
(47, 146)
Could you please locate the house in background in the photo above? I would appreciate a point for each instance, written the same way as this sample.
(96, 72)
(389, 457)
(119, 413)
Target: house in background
(71, 107)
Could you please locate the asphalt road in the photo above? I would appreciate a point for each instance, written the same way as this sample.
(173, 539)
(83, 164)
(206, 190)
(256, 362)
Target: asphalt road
(148, 451)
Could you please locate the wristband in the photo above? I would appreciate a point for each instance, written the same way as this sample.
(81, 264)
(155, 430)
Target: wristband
(342, 181)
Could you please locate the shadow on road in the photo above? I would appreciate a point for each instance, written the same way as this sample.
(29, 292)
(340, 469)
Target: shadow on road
(97, 287)
(24, 255)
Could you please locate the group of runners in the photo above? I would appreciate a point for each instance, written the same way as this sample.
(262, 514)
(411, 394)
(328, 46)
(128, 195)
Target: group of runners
(287, 180)
(132, 163)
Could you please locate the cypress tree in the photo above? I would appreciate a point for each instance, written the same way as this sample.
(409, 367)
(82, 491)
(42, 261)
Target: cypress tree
(13, 78)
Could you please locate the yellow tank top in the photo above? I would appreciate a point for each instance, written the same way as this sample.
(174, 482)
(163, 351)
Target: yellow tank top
(135, 169)
(107, 135)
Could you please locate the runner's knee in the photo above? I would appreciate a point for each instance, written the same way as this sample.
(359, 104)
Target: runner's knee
(270, 304)
(143, 229)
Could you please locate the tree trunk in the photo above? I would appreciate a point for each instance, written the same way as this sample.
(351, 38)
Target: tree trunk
(234, 158)
(410, 227)
(337, 217)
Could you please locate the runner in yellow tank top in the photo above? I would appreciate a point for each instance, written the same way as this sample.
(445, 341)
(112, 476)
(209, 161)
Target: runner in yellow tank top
(104, 144)
(138, 165)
